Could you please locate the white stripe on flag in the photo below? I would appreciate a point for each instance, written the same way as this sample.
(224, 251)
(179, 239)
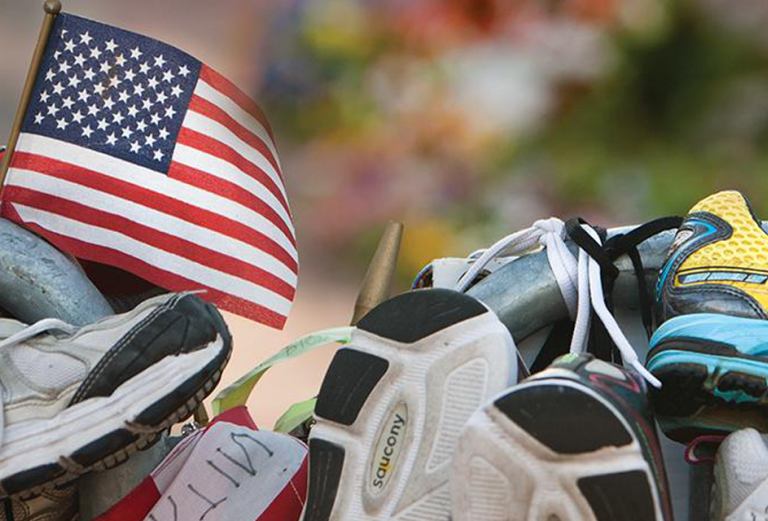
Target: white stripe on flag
(225, 170)
(162, 259)
(213, 129)
(225, 103)
(154, 219)
(151, 180)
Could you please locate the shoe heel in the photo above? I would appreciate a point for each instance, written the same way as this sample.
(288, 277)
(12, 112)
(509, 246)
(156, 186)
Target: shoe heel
(562, 452)
(392, 405)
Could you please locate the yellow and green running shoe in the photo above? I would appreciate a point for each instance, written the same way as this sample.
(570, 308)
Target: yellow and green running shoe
(711, 352)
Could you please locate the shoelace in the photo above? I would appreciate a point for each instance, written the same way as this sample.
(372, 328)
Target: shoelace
(41, 326)
(621, 244)
(579, 280)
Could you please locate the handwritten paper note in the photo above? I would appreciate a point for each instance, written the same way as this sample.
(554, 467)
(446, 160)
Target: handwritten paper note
(232, 473)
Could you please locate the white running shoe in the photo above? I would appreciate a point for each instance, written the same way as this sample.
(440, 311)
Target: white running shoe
(575, 442)
(81, 399)
(741, 478)
(392, 405)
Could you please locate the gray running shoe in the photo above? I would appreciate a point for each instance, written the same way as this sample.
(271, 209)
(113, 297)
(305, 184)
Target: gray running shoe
(82, 399)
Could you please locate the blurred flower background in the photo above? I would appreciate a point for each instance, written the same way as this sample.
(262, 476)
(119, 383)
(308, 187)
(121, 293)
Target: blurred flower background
(464, 119)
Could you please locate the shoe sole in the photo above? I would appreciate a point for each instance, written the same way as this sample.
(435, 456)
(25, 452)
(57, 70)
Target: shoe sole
(551, 451)
(706, 394)
(391, 407)
(101, 433)
(712, 384)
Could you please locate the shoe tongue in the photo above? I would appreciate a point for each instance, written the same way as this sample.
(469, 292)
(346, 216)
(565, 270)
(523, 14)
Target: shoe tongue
(743, 462)
(723, 204)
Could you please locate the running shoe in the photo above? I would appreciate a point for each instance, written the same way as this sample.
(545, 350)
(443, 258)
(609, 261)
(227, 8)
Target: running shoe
(575, 442)
(740, 492)
(82, 399)
(710, 354)
(392, 405)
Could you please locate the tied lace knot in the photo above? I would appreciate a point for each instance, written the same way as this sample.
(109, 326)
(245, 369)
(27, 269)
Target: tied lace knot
(551, 225)
(579, 280)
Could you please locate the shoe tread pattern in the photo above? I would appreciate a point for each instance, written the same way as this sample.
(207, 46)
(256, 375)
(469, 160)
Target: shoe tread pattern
(326, 463)
(564, 419)
(624, 496)
(692, 398)
(349, 381)
(415, 315)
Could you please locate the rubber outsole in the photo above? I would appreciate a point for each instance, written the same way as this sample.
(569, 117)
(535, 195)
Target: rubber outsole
(349, 381)
(552, 450)
(407, 319)
(392, 404)
(698, 399)
(328, 461)
(115, 448)
(607, 496)
(533, 410)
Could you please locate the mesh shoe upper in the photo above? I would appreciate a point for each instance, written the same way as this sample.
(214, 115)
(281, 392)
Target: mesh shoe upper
(741, 468)
(718, 262)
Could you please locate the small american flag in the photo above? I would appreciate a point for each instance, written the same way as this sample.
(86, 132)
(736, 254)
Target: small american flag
(134, 154)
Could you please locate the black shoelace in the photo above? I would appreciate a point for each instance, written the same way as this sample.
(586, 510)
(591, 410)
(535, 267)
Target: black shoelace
(600, 342)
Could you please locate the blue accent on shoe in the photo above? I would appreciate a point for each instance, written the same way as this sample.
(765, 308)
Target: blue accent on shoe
(735, 396)
(710, 229)
(714, 364)
(747, 335)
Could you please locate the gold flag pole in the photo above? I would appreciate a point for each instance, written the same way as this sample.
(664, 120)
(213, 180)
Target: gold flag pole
(51, 8)
(377, 283)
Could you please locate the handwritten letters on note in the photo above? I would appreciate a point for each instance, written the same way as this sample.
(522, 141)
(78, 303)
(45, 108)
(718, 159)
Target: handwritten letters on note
(231, 473)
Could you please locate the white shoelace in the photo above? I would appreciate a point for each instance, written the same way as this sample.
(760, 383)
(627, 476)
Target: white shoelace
(579, 281)
(41, 326)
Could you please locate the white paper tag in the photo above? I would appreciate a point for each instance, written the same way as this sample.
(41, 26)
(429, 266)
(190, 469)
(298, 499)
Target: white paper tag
(231, 474)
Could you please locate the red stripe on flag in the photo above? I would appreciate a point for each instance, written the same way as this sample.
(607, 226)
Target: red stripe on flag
(215, 185)
(156, 201)
(162, 278)
(135, 505)
(152, 237)
(216, 113)
(207, 144)
(230, 90)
